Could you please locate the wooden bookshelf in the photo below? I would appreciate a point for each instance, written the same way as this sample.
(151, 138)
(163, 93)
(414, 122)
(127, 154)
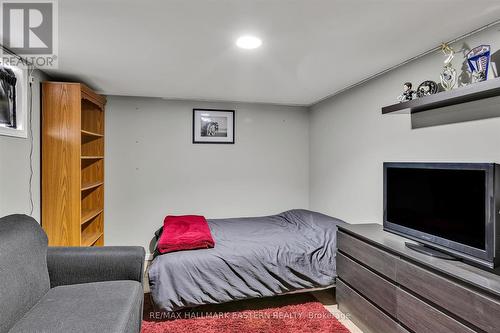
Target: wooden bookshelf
(72, 164)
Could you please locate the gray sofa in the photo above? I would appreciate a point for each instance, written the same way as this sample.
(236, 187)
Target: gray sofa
(66, 289)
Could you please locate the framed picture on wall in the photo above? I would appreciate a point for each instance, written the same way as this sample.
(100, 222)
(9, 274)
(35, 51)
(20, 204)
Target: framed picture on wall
(13, 101)
(213, 126)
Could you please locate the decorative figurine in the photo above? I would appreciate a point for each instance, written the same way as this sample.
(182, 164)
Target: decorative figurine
(479, 61)
(407, 94)
(449, 74)
(427, 88)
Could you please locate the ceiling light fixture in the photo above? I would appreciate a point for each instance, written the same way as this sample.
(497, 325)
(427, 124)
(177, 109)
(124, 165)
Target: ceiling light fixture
(248, 42)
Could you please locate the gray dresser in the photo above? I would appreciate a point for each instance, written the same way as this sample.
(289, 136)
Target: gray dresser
(385, 287)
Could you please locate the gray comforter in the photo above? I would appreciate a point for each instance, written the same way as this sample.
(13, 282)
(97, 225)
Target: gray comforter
(253, 257)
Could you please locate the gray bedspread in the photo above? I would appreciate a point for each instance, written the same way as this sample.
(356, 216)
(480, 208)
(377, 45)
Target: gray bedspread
(253, 257)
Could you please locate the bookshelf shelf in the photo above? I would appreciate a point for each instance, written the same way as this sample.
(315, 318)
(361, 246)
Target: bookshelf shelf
(90, 214)
(91, 135)
(90, 240)
(90, 186)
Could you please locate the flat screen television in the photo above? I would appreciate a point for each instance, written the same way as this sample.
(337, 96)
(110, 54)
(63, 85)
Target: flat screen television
(449, 207)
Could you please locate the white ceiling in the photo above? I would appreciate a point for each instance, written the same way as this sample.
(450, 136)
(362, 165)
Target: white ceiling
(184, 49)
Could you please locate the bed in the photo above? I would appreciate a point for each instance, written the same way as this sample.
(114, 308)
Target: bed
(253, 257)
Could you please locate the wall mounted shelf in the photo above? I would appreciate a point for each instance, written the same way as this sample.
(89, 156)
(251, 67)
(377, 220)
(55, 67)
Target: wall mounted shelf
(470, 93)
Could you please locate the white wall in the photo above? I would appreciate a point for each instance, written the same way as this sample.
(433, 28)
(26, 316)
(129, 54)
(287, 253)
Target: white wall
(153, 169)
(350, 138)
(15, 165)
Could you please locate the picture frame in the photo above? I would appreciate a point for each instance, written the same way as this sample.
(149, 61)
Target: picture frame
(13, 101)
(213, 126)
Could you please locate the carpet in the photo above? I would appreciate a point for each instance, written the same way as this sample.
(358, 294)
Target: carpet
(297, 313)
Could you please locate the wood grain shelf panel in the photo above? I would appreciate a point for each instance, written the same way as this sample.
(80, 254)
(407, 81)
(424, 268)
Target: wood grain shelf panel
(60, 162)
(89, 186)
(92, 171)
(92, 146)
(100, 241)
(92, 157)
(91, 134)
(92, 117)
(89, 240)
(89, 95)
(90, 214)
(470, 93)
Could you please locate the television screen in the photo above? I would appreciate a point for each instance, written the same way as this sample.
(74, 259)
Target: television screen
(446, 203)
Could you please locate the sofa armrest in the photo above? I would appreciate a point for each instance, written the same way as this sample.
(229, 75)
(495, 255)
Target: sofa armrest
(73, 265)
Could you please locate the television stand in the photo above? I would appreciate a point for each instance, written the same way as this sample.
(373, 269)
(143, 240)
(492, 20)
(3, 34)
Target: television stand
(429, 251)
(384, 286)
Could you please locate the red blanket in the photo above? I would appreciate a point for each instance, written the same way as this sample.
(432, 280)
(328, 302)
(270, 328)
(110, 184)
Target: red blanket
(187, 232)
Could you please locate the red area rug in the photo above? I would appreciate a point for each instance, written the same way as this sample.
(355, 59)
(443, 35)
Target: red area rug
(299, 313)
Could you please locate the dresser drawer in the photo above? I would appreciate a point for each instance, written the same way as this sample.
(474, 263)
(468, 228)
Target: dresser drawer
(420, 317)
(364, 314)
(367, 283)
(371, 256)
(473, 307)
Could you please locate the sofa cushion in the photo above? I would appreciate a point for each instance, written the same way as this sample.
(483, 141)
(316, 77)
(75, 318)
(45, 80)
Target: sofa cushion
(24, 278)
(111, 306)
